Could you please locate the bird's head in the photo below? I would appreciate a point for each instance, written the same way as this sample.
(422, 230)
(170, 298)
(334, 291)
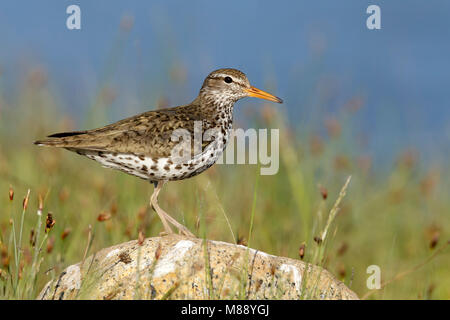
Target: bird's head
(230, 85)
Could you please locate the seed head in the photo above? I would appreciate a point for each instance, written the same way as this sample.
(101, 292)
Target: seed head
(341, 271)
(25, 200)
(103, 216)
(316, 145)
(318, 240)
(301, 250)
(434, 239)
(40, 205)
(242, 241)
(342, 249)
(32, 238)
(141, 238)
(50, 244)
(11, 194)
(49, 223)
(323, 192)
(65, 233)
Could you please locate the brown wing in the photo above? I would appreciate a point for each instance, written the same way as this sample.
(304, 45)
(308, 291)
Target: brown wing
(147, 134)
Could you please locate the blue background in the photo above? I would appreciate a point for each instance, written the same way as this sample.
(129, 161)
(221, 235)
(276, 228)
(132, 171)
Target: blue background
(313, 54)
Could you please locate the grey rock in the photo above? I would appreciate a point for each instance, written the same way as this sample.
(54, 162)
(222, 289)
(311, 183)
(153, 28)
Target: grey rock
(177, 267)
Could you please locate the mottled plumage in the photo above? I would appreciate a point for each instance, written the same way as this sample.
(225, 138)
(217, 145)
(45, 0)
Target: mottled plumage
(143, 145)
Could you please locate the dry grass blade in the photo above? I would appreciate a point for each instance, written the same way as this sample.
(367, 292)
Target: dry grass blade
(335, 209)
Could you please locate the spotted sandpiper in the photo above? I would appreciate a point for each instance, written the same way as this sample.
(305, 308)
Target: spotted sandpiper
(143, 145)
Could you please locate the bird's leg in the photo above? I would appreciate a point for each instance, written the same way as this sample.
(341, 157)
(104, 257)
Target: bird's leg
(163, 215)
(155, 206)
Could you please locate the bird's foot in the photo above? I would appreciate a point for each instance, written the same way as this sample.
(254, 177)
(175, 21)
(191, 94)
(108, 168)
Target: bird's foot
(185, 231)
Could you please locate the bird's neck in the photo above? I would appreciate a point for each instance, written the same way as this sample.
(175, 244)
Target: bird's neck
(218, 108)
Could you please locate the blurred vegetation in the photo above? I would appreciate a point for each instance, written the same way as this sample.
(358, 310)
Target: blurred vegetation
(394, 218)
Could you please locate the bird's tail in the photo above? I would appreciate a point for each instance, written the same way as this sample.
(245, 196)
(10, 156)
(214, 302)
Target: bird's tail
(61, 140)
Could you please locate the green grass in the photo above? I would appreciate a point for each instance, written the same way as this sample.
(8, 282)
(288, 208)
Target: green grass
(390, 218)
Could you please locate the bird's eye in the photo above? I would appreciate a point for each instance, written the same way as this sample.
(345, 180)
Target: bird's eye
(228, 80)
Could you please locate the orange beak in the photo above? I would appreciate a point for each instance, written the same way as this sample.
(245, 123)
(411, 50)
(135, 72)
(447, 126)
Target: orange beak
(254, 92)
